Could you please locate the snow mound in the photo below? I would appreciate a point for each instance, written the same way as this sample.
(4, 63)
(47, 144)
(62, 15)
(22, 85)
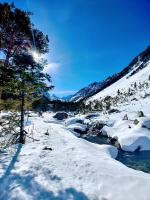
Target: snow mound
(130, 136)
(73, 120)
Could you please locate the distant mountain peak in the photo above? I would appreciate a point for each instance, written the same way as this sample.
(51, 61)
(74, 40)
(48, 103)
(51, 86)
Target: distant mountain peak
(51, 96)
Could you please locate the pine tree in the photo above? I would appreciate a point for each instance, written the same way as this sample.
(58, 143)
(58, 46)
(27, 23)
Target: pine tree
(118, 92)
(135, 85)
(29, 80)
(15, 32)
(17, 35)
(20, 74)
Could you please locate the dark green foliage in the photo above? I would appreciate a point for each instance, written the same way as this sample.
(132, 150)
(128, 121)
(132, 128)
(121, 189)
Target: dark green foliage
(17, 35)
(20, 75)
(28, 72)
(98, 106)
(44, 104)
(41, 41)
(118, 92)
(41, 104)
(65, 106)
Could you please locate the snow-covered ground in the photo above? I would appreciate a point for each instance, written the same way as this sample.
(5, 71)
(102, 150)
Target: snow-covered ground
(73, 169)
(125, 83)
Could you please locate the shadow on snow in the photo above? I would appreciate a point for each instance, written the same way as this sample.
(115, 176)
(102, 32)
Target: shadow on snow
(34, 190)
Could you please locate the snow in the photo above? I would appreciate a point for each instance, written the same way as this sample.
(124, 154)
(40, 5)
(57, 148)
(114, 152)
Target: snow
(130, 136)
(123, 84)
(146, 122)
(77, 126)
(73, 170)
(73, 120)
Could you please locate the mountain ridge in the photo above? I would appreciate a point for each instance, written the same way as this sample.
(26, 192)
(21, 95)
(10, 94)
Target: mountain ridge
(136, 64)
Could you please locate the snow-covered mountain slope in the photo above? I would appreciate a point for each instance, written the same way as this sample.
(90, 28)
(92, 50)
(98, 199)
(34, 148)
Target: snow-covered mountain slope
(134, 80)
(66, 98)
(51, 97)
(119, 80)
(85, 92)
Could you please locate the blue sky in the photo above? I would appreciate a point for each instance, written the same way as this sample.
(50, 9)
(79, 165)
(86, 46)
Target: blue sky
(89, 39)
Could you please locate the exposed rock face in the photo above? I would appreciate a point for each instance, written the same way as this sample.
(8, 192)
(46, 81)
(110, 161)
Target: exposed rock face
(61, 115)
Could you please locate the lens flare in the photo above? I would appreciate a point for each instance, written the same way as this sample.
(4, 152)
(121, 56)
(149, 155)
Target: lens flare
(36, 56)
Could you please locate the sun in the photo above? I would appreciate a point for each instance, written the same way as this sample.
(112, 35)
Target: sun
(36, 56)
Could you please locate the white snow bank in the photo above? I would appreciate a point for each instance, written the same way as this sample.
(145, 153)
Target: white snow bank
(73, 120)
(145, 122)
(78, 126)
(130, 136)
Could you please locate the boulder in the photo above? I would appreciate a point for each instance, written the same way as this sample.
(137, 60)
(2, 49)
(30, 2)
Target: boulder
(99, 125)
(146, 124)
(113, 110)
(140, 114)
(136, 121)
(80, 131)
(125, 117)
(74, 120)
(47, 148)
(95, 129)
(90, 116)
(114, 141)
(46, 133)
(80, 121)
(78, 128)
(134, 99)
(61, 115)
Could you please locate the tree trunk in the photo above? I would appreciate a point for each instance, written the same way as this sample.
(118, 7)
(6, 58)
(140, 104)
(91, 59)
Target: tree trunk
(22, 138)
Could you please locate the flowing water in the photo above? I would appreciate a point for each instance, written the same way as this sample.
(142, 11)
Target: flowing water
(139, 160)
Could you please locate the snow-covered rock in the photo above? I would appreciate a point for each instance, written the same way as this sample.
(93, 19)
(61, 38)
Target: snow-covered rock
(77, 128)
(130, 136)
(61, 115)
(146, 122)
(74, 120)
